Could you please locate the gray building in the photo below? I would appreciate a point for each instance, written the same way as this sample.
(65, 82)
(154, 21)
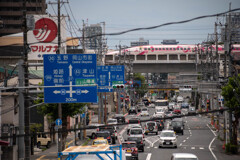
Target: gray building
(11, 14)
(169, 41)
(235, 28)
(141, 42)
(93, 42)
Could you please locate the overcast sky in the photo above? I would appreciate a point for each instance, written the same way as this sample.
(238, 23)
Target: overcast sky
(121, 15)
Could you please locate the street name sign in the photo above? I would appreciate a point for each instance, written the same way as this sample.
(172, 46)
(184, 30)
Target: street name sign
(107, 75)
(70, 78)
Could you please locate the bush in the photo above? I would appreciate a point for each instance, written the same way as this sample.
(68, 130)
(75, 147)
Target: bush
(231, 148)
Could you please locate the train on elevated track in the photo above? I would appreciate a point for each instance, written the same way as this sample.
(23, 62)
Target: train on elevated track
(181, 49)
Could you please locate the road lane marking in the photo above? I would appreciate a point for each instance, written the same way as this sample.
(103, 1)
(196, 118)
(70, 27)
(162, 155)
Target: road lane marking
(212, 148)
(151, 144)
(184, 141)
(155, 147)
(212, 130)
(201, 148)
(41, 157)
(149, 156)
(192, 147)
(187, 137)
(180, 144)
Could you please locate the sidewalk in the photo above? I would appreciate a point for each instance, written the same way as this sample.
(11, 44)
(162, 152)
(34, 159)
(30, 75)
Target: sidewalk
(51, 153)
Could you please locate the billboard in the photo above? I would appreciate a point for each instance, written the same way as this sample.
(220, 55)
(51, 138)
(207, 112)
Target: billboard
(43, 38)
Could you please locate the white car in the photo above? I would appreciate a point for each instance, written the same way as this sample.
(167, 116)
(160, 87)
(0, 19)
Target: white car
(185, 156)
(133, 126)
(92, 132)
(144, 112)
(152, 105)
(112, 121)
(168, 138)
(160, 111)
(136, 131)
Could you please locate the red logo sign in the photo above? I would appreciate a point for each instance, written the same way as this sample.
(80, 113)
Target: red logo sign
(45, 30)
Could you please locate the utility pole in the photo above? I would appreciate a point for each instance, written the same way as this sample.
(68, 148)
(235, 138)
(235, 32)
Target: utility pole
(59, 140)
(229, 69)
(21, 148)
(26, 84)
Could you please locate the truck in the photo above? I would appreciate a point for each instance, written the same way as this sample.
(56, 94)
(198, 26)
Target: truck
(93, 153)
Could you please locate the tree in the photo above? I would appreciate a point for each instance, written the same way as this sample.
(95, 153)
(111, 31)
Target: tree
(231, 94)
(143, 89)
(68, 110)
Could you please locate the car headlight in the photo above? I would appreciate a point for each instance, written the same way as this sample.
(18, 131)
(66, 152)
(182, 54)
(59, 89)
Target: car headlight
(174, 140)
(161, 140)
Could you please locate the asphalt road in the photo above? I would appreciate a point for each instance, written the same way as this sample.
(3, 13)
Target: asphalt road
(197, 139)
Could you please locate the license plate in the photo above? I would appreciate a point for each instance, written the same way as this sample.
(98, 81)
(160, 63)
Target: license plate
(129, 150)
(167, 142)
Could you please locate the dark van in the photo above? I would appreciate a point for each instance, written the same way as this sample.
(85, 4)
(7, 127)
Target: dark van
(177, 125)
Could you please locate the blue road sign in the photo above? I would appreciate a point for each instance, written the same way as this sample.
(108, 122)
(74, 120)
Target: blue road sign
(106, 75)
(58, 122)
(70, 78)
(82, 115)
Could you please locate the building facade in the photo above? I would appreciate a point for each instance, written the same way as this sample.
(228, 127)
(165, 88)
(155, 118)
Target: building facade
(141, 42)
(11, 14)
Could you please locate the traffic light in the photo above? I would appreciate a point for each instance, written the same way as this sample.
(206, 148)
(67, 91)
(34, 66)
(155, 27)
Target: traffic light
(118, 86)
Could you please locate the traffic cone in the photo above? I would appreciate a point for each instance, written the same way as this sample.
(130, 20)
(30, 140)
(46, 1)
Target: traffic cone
(223, 146)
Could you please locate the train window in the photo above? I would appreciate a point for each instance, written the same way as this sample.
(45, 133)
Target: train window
(181, 48)
(145, 49)
(191, 57)
(109, 57)
(159, 48)
(173, 57)
(149, 49)
(163, 48)
(166, 48)
(184, 48)
(151, 57)
(174, 49)
(170, 48)
(156, 48)
(182, 57)
(177, 48)
(152, 49)
(222, 48)
(188, 48)
(162, 57)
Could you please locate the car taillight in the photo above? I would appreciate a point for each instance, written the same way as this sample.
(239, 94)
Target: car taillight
(143, 135)
(141, 142)
(108, 137)
(135, 149)
(138, 122)
(156, 127)
(97, 129)
(145, 127)
(128, 121)
(113, 134)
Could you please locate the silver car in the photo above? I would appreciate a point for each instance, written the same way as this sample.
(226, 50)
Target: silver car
(151, 127)
(167, 139)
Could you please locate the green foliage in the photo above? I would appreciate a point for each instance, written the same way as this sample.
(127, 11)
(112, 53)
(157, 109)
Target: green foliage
(231, 148)
(230, 98)
(36, 127)
(144, 88)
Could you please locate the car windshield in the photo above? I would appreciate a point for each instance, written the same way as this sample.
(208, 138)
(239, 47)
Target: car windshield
(136, 131)
(161, 103)
(159, 110)
(144, 109)
(128, 145)
(151, 124)
(167, 134)
(100, 142)
(112, 121)
(176, 123)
